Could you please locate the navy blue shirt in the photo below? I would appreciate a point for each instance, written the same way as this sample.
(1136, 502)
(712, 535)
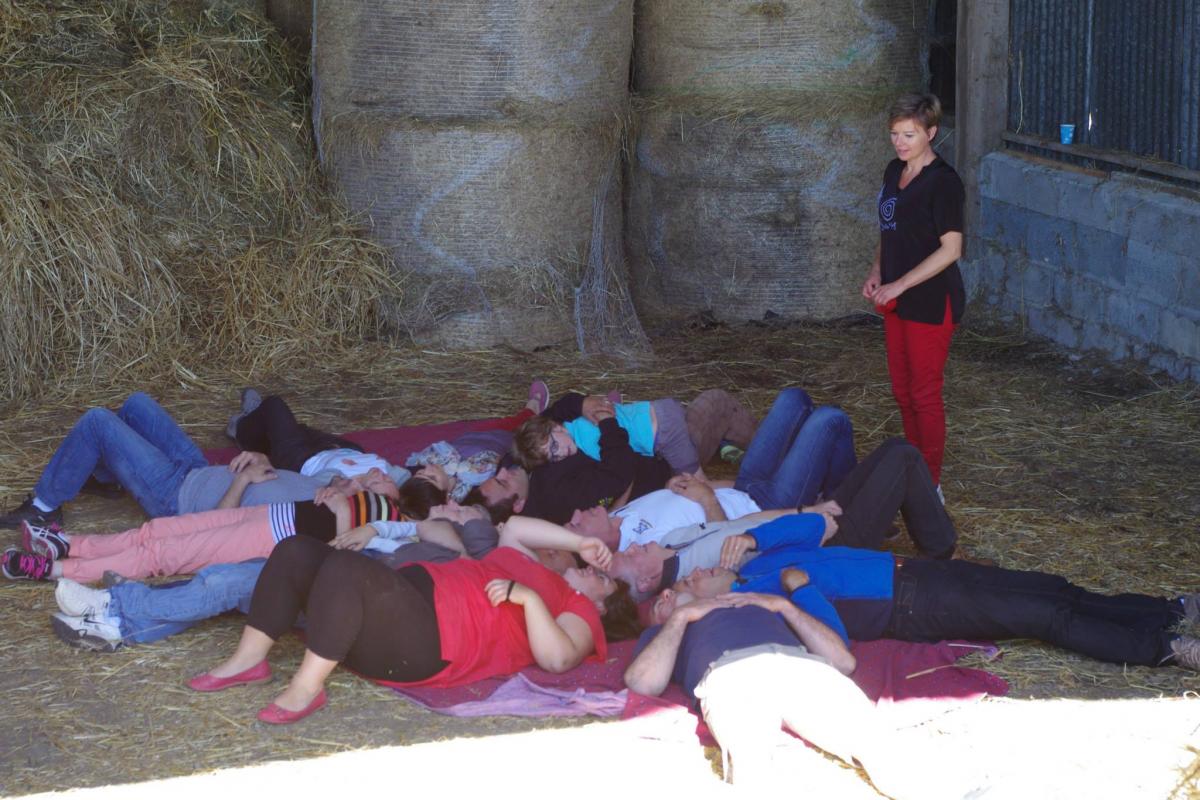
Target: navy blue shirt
(719, 631)
(912, 221)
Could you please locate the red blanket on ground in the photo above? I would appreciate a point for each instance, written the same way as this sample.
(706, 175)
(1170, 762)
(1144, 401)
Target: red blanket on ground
(888, 670)
(394, 444)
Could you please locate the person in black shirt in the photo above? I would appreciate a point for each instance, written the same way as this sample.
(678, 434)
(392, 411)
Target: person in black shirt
(914, 279)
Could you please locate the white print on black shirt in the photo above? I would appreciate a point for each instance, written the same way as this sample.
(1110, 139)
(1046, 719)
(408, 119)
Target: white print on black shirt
(887, 212)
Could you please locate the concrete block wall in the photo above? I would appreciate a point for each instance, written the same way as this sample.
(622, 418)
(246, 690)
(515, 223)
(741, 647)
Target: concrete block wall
(1093, 261)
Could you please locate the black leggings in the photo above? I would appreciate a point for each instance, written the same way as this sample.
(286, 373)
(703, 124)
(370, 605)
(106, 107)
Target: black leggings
(894, 477)
(379, 622)
(273, 429)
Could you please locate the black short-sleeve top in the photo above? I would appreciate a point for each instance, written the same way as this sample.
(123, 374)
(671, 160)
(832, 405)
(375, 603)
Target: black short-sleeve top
(911, 223)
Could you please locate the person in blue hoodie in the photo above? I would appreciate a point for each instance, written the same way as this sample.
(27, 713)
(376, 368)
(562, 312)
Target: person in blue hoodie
(867, 594)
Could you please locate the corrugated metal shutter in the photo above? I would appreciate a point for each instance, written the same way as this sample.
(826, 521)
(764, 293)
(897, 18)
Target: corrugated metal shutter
(1126, 74)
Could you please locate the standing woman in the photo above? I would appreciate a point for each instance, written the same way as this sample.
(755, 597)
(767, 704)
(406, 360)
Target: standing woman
(914, 280)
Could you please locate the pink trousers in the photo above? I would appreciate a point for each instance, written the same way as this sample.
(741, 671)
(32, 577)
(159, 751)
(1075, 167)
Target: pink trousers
(172, 545)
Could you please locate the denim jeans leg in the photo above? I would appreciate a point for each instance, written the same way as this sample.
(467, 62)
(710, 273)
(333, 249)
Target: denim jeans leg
(102, 439)
(771, 443)
(818, 455)
(143, 413)
(822, 452)
(148, 613)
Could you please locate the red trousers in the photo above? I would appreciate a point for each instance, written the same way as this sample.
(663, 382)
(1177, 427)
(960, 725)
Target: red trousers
(916, 354)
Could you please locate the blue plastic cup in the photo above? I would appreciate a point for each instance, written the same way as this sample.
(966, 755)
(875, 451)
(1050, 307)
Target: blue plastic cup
(1066, 134)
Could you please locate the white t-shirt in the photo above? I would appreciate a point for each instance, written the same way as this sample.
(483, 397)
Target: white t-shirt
(344, 461)
(652, 516)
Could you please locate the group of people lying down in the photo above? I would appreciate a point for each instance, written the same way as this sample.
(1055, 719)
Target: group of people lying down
(542, 537)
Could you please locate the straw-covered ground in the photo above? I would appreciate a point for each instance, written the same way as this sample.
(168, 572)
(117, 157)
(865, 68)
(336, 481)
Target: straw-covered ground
(1050, 465)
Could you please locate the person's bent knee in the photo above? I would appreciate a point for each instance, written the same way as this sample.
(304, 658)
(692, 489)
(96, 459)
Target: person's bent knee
(831, 416)
(137, 400)
(97, 419)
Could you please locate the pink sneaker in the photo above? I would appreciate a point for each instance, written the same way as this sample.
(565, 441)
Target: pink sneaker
(539, 393)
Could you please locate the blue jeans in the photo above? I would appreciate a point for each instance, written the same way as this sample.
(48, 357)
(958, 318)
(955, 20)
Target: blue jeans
(797, 453)
(139, 446)
(150, 613)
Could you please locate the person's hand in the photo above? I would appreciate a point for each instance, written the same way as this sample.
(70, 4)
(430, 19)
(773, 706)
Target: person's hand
(455, 513)
(502, 590)
(831, 525)
(595, 552)
(886, 293)
(253, 467)
(354, 539)
(871, 284)
(595, 404)
(691, 487)
(735, 548)
(699, 609)
(322, 495)
(334, 501)
(246, 459)
(770, 602)
(827, 507)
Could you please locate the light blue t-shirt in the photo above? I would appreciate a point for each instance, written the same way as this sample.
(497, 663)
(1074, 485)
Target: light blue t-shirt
(633, 417)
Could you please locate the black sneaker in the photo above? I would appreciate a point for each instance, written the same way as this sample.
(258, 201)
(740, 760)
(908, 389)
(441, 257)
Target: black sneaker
(28, 512)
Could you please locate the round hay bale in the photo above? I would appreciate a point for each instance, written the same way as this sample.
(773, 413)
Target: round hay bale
(720, 46)
(474, 59)
(495, 221)
(745, 216)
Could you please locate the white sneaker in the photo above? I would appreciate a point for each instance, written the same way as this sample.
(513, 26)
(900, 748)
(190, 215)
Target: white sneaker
(77, 600)
(102, 634)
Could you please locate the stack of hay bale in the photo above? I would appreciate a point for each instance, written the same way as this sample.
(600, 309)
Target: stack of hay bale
(759, 143)
(482, 140)
(161, 211)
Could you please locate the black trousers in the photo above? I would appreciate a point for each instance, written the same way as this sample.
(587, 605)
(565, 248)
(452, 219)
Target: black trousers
(273, 429)
(894, 477)
(934, 600)
(379, 622)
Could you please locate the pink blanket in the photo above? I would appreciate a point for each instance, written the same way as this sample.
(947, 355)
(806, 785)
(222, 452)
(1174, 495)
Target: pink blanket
(888, 671)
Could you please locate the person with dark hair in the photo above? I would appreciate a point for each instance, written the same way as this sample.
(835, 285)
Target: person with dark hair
(867, 594)
(424, 624)
(914, 279)
(755, 663)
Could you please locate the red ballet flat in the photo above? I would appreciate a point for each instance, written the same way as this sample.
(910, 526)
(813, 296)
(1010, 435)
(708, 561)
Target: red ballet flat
(259, 673)
(274, 715)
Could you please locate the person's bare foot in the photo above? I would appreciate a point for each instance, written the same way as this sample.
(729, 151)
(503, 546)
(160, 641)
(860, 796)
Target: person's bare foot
(296, 698)
(233, 666)
(793, 578)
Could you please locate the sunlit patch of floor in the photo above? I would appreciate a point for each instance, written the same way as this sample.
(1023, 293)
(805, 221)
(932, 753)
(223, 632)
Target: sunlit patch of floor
(992, 749)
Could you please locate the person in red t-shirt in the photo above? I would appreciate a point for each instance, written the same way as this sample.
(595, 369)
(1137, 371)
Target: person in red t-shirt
(914, 280)
(427, 624)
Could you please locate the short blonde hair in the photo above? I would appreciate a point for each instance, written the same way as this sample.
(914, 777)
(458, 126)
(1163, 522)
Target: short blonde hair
(924, 109)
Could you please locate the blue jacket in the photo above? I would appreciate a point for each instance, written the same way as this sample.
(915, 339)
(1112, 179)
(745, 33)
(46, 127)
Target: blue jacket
(849, 589)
